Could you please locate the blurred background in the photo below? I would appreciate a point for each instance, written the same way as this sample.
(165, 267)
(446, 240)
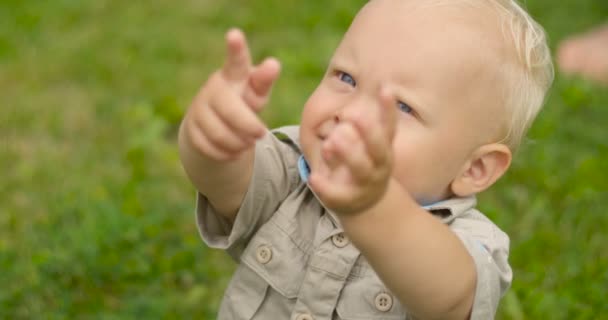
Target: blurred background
(96, 215)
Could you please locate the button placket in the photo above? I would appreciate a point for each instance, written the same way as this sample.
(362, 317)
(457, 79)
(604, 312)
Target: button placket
(331, 267)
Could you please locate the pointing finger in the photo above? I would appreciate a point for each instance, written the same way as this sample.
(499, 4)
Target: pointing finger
(238, 60)
(260, 83)
(388, 112)
(378, 130)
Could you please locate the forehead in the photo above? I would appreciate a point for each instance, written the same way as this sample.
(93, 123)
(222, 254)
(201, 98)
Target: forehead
(405, 29)
(447, 48)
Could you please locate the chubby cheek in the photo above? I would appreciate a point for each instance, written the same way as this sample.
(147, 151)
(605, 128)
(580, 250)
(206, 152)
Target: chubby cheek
(417, 167)
(410, 174)
(315, 107)
(318, 109)
(311, 119)
(308, 144)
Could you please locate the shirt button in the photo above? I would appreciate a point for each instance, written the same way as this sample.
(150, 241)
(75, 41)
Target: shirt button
(383, 301)
(304, 316)
(263, 254)
(339, 240)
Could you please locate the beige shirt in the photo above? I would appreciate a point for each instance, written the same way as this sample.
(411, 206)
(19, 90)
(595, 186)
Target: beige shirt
(296, 263)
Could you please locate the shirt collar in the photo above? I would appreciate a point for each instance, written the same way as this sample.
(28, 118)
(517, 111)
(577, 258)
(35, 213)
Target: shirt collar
(446, 210)
(303, 168)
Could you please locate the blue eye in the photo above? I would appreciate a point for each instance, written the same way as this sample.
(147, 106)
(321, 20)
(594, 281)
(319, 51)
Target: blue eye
(403, 107)
(347, 78)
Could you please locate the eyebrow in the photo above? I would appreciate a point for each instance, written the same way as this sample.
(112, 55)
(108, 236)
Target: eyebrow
(347, 54)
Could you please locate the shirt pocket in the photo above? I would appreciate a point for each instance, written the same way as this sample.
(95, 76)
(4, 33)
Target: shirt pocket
(366, 297)
(244, 295)
(274, 256)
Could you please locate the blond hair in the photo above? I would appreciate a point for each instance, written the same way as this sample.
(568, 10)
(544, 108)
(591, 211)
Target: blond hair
(528, 76)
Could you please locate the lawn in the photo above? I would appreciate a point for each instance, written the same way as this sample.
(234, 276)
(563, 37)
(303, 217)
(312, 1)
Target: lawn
(96, 214)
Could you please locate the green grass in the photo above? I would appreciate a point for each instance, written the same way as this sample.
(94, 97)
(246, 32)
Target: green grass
(96, 215)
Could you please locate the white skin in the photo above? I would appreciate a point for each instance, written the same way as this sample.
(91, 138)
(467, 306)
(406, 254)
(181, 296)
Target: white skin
(400, 119)
(440, 95)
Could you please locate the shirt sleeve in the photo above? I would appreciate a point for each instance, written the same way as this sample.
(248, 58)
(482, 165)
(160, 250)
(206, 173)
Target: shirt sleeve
(489, 247)
(274, 176)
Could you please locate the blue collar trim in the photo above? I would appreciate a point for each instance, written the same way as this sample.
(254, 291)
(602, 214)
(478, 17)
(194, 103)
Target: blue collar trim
(304, 169)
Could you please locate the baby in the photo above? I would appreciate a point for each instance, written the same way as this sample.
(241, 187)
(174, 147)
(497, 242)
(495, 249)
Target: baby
(367, 209)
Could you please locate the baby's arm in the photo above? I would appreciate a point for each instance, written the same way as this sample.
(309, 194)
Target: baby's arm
(220, 128)
(423, 262)
(419, 258)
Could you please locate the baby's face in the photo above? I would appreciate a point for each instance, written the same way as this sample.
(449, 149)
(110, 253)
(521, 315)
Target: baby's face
(436, 61)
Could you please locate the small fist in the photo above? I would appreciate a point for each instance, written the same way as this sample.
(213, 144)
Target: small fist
(357, 158)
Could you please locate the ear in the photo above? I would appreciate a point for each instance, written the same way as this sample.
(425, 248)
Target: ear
(487, 164)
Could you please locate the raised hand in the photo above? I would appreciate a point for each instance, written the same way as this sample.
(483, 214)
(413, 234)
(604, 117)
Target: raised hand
(358, 156)
(222, 121)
